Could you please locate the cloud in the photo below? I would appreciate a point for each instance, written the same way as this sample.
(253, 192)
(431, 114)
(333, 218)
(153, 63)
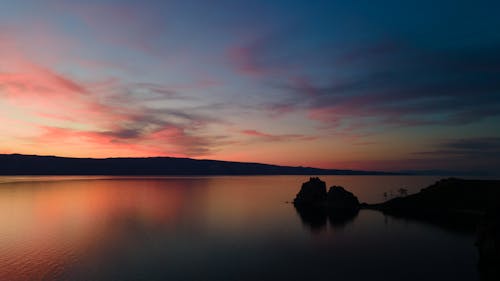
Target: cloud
(279, 109)
(173, 132)
(131, 81)
(155, 91)
(275, 137)
(167, 140)
(102, 115)
(264, 53)
(471, 148)
(385, 82)
(478, 154)
(125, 25)
(245, 61)
(186, 144)
(405, 87)
(44, 92)
(75, 142)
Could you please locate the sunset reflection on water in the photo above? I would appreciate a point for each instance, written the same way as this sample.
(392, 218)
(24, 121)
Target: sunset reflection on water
(161, 228)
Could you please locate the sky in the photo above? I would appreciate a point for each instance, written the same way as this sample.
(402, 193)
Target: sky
(374, 85)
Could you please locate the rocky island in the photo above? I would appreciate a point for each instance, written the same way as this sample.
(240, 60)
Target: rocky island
(470, 205)
(313, 193)
(316, 206)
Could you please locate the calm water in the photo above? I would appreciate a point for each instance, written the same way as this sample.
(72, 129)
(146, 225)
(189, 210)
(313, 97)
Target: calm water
(214, 228)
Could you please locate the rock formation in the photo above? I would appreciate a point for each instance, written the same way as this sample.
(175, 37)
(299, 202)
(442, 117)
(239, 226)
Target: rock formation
(315, 206)
(311, 193)
(448, 195)
(456, 204)
(339, 198)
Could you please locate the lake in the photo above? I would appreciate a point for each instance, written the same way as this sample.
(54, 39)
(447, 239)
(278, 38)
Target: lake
(215, 228)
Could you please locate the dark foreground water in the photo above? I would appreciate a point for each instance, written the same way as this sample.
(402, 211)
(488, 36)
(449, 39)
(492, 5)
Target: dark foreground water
(214, 228)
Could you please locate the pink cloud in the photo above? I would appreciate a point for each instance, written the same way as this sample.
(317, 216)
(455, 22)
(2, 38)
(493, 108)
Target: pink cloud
(41, 91)
(79, 143)
(180, 142)
(255, 133)
(113, 126)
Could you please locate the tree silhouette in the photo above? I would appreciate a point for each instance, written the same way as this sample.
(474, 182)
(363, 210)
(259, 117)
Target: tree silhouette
(403, 192)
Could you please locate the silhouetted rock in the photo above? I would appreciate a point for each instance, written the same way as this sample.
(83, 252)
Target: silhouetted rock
(448, 195)
(339, 198)
(458, 205)
(314, 205)
(454, 204)
(311, 193)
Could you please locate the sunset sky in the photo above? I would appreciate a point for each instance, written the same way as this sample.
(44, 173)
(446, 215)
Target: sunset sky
(379, 85)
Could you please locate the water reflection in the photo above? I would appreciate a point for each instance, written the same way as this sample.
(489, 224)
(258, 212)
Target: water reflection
(316, 218)
(46, 227)
(341, 218)
(208, 228)
(457, 223)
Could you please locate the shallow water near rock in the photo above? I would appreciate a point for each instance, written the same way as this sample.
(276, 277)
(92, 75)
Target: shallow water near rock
(216, 228)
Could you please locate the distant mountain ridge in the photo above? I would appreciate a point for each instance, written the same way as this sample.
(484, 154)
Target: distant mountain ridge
(19, 164)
